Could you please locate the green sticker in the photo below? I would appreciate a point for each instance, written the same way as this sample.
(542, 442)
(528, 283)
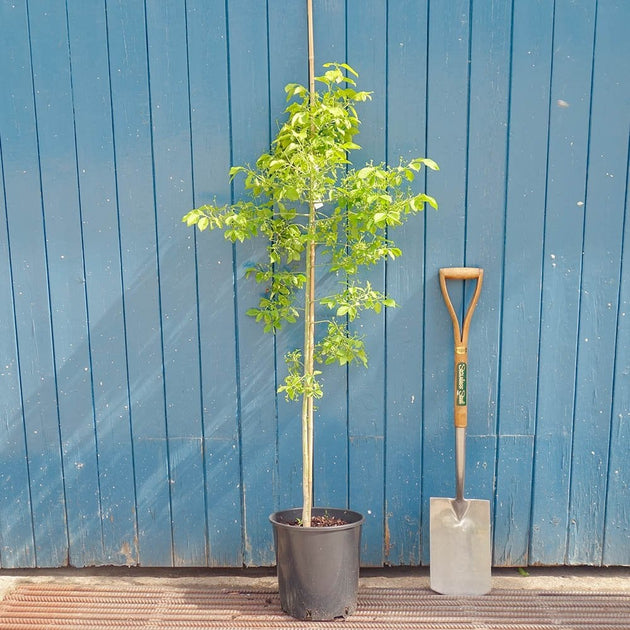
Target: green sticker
(461, 384)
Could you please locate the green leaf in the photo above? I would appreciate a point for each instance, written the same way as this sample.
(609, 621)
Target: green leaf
(429, 163)
(295, 89)
(418, 202)
(235, 170)
(291, 193)
(380, 217)
(431, 201)
(351, 70)
(191, 218)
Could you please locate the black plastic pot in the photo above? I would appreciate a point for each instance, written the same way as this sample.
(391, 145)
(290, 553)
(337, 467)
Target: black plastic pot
(318, 567)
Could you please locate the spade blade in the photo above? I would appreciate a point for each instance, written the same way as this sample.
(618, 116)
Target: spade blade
(460, 546)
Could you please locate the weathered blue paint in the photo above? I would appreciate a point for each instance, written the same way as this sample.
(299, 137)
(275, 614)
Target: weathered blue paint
(603, 230)
(131, 106)
(407, 40)
(211, 160)
(251, 130)
(522, 276)
(569, 111)
(139, 420)
(170, 116)
(17, 542)
(366, 38)
(29, 148)
(616, 549)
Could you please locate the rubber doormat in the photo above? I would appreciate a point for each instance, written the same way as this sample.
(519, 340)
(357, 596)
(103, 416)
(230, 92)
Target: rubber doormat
(59, 606)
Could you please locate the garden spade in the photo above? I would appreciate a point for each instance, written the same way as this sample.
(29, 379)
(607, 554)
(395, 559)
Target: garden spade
(459, 527)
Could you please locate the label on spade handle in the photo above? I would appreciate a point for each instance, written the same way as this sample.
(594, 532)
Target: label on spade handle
(460, 392)
(461, 386)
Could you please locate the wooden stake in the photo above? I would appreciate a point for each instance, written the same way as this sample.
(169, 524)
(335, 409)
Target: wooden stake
(309, 315)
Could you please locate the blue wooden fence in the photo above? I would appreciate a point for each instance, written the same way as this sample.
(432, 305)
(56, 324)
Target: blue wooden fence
(139, 422)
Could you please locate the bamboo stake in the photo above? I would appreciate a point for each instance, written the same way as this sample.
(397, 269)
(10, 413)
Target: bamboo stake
(311, 49)
(309, 314)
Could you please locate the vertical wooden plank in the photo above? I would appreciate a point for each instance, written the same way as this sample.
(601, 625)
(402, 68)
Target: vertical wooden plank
(207, 49)
(513, 500)
(100, 230)
(520, 325)
(288, 64)
(329, 32)
(331, 454)
(331, 428)
(366, 388)
(20, 184)
(134, 179)
(605, 196)
(406, 133)
(16, 525)
(169, 88)
(616, 532)
(38, 106)
(447, 97)
(485, 230)
(73, 366)
(569, 118)
(249, 103)
(330, 474)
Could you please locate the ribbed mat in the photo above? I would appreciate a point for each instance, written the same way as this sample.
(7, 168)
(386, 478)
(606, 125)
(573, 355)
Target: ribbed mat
(61, 606)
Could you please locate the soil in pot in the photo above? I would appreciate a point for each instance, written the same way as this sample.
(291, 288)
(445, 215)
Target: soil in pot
(323, 520)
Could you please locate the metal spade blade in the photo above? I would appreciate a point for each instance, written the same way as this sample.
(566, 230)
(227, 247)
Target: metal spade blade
(460, 547)
(460, 541)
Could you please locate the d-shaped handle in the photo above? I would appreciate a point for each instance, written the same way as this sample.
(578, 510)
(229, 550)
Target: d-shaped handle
(460, 335)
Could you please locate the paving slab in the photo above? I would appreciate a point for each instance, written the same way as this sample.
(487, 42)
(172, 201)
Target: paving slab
(589, 579)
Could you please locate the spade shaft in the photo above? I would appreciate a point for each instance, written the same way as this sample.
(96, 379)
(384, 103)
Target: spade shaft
(459, 504)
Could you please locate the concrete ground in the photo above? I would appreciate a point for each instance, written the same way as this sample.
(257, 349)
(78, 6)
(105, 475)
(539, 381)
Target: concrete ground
(567, 579)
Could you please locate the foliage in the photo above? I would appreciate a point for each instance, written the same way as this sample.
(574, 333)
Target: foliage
(314, 207)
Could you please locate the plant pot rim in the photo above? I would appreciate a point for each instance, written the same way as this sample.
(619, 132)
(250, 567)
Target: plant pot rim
(357, 519)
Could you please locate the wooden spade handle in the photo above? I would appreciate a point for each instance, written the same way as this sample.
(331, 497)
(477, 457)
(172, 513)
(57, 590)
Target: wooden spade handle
(461, 335)
(461, 273)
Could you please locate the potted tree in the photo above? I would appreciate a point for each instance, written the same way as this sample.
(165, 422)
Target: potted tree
(316, 210)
